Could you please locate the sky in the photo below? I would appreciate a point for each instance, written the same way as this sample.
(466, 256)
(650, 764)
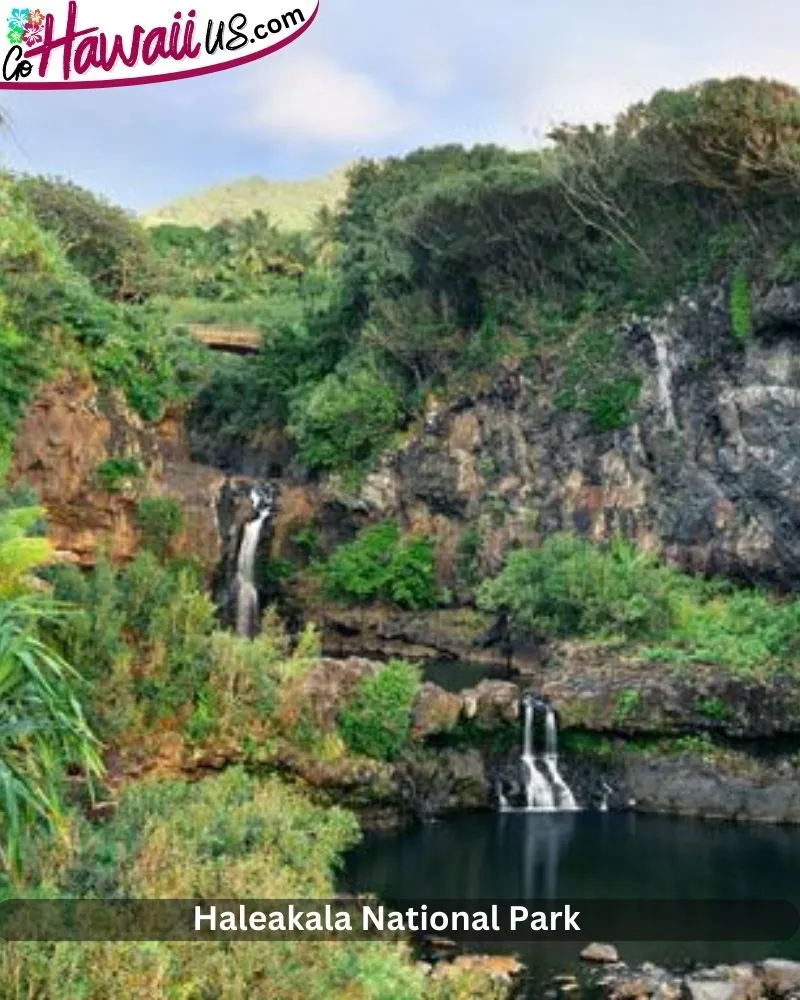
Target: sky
(383, 77)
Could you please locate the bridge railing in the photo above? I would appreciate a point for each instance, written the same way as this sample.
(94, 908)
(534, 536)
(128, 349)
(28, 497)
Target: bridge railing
(222, 337)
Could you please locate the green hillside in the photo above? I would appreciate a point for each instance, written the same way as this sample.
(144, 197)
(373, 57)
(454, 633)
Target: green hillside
(291, 205)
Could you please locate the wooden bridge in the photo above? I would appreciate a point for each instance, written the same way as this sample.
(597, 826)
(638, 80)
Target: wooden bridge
(236, 340)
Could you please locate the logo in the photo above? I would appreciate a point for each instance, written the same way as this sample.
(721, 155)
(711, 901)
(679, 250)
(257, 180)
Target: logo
(92, 43)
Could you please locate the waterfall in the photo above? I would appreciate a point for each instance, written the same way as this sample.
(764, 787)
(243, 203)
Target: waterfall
(664, 361)
(502, 801)
(603, 807)
(544, 790)
(247, 609)
(566, 800)
(538, 793)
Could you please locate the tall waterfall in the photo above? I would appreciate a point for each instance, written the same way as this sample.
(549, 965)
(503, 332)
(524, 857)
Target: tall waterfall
(545, 789)
(247, 609)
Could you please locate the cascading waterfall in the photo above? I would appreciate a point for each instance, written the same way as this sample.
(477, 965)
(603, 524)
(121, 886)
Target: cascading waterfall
(566, 800)
(538, 793)
(545, 789)
(247, 609)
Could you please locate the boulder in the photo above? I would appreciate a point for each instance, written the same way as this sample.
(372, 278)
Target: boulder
(435, 711)
(601, 953)
(492, 704)
(331, 684)
(711, 989)
(780, 977)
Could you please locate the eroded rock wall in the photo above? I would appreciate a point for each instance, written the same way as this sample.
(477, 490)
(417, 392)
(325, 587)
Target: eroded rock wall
(707, 473)
(69, 431)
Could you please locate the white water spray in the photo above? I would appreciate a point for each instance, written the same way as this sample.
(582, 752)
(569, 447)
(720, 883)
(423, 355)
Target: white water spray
(564, 796)
(247, 609)
(545, 789)
(664, 376)
(538, 793)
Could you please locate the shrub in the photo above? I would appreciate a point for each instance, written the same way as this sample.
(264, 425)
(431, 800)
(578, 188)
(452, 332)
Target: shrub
(571, 587)
(382, 565)
(160, 521)
(345, 419)
(141, 635)
(377, 723)
(115, 472)
(233, 836)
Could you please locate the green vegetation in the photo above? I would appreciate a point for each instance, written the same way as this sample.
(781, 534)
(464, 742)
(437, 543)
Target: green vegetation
(177, 840)
(142, 635)
(741, 314)
(569, 587)
(160, 522)
(378, 721)
(627, 703)
(43, 731)
(713, 708)
(115, 473)
(381, 565)
(593, 744)
(59, 311)
(293, 205)
(439, 268)
(101, 241)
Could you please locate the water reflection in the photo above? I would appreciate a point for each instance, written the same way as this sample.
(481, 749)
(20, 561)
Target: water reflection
(588, 855)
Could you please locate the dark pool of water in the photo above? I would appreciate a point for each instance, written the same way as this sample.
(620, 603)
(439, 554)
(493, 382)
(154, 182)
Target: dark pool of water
(587, 855)
(456, 675)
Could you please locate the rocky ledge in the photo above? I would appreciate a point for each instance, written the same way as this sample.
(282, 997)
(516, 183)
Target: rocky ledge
(773, 979)
(608, 688)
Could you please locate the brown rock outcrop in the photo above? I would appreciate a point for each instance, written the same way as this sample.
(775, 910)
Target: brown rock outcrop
(68, 432)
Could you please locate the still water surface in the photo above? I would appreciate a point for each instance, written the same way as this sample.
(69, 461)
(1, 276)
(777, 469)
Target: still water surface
(587, 855)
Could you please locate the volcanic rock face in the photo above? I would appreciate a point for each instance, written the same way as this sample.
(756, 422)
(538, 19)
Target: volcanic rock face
(69, 431)
(708, 473)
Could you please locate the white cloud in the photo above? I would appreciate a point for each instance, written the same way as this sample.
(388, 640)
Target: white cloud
(309, 98)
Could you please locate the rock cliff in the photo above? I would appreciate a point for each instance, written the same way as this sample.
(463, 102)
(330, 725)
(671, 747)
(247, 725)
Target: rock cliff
(706, 472)
(69, 432)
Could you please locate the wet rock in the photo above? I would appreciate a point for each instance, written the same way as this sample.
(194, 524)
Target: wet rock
(780, 977)
(439, 949)
(492, 703)
(711, 989)
(637, 988)
(601, 953)
(435, 711)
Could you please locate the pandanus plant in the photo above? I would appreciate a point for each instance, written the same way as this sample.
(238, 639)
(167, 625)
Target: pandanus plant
(43, 731)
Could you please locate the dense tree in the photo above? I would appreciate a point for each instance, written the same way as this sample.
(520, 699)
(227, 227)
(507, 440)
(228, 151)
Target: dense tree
(102, 241)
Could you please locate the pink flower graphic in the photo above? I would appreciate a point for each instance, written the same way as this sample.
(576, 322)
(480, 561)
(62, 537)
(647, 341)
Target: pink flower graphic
(36, 17)
(33, 34)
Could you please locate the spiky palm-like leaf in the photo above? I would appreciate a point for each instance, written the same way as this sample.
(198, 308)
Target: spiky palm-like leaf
(43, 731)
